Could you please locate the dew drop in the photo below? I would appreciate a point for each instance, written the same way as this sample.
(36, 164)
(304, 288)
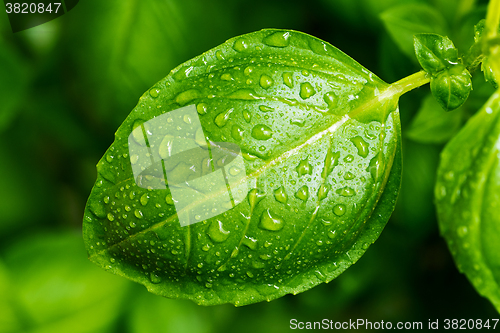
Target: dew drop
(223, 117)
(97, 208)
(306, 90)
(346, 192)
(234, 170)
(376, 166)
(137, 132)
(134, 158)
(166, 146)
(216, 232)
(247, 116)
(441, 193)
(248, 70)
(288, 79)
(361, 145)
(331, 161)
(303, 193)
(258, 264)
(318, 46)
(111, 217)
(155, 92)
(262, 132)
(349, 176)
(277, 39)
(265, 108)
(202, 108)
(237, 132)
(154, 278)
(169, 200)
(187, 96)
(462, 231)
(265, 256)
(266, 81)
(226, 77)
(339, 209)
(183, 73)
(254, 197)
(132, 224)
(331, 234)
(349, 158)
(449, 176)
(244, 94)
(270, 221)
(323, 191)
(144, 199)
(219, 55)
(240, 45)
(138, 214)
(298, 122)
(280, 195)
(331, 100)
(187, 119)
(250, 242)
(304, 168)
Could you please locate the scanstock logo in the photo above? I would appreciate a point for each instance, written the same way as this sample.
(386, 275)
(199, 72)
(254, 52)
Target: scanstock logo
(28, 14)
(170, 151)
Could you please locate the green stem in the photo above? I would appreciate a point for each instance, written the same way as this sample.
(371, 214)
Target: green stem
(492, 25)
(492, 19)
(409, 83)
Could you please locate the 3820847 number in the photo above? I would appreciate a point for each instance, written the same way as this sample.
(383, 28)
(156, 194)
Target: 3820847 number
(31, 8)
(462, 324)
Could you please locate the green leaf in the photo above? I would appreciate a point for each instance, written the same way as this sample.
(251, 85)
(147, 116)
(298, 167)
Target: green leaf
(467, 199)
(435, 52)
(451, 87)
(110, 50)
(402, 22)
(487, 69)
(149, 313)
(13, 83)
(432, 124)
(317, 177)
(55, 289)
(9, 321)
(486, 65)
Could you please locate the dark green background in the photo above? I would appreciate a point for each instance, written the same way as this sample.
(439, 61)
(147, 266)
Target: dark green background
(67, 85)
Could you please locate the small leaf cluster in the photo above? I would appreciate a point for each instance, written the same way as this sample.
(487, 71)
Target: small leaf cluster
(450, 81)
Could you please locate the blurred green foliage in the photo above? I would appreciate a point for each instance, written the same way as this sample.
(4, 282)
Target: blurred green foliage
(65, 87)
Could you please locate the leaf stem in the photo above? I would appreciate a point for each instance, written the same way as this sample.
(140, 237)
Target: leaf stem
(492, 19)
(492, 25)
(409, 83)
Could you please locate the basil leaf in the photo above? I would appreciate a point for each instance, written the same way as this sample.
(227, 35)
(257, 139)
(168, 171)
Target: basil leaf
(404, 21)
(451, 87)
(9, 322)
(467, 199)
(435, 52)
(432, 124)
(55, 289)
(319, 136)
(486, 67)
(13, 83)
